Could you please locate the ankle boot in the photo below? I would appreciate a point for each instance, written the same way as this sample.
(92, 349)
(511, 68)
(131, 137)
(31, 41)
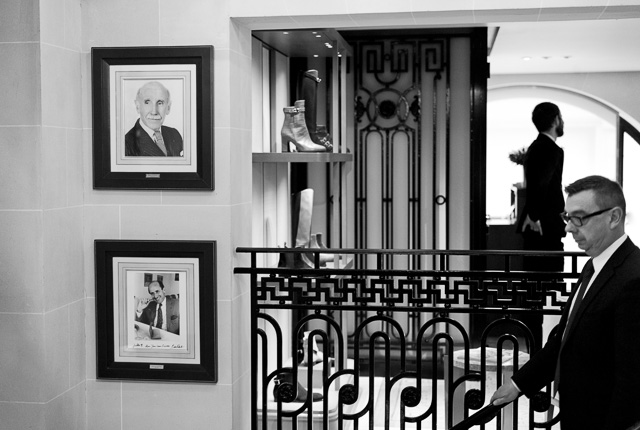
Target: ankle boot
(284, 391)
(323, 137)
(307, 90)
(294, 130)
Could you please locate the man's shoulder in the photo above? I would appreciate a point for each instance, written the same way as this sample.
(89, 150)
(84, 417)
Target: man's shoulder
(166, 128)
(133, 132)
(170, 131)
(544, 140)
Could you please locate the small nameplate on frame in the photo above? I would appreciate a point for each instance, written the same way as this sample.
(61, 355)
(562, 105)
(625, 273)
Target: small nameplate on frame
(153, 176)
(156, 366)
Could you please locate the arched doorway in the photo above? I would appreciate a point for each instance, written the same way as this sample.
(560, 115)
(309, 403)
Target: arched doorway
(598, 140)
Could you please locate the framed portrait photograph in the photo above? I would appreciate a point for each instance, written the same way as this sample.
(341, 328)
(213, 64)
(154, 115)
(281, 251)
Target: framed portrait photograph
(153, 117)
(155, 310)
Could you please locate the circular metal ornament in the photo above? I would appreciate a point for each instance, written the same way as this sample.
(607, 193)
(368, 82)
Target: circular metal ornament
(473, 399)
(410, 397)
(348, 394)
(387, 109)
(540, 402)
(284, 392)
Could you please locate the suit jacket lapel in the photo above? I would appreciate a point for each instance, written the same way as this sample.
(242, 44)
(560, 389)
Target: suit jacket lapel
(600, 282)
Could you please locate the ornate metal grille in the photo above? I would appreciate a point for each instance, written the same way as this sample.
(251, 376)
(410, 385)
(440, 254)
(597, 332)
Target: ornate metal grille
(403, 151)
(395, 347)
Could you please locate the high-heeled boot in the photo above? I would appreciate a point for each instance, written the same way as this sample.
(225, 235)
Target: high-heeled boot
(301, 214)
(294, 130)
(283, 391)
(316, 243)
(307, 90)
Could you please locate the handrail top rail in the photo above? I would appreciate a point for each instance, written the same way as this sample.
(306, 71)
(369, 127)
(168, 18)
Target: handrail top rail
(455, 252)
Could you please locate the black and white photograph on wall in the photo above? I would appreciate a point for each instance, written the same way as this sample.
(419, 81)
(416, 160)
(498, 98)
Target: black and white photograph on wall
(153, 299)
(156, 314)
(153, 117)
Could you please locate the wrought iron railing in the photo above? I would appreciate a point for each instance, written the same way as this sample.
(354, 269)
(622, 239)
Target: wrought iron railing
(421, 340)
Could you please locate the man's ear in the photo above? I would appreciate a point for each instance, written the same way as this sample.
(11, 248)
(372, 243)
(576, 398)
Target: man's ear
(616, 217)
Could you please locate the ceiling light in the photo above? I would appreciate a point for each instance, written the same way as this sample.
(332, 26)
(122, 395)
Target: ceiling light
(526, 58)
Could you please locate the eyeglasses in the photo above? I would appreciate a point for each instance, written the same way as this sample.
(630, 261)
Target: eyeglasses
(578, 221)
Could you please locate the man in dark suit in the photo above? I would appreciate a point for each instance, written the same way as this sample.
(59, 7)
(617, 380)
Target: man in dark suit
(594, 356)
(148, 137)
(159, 311)
(539, 223)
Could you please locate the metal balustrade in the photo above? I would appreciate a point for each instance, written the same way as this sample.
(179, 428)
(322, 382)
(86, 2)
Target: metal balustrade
(418, 341)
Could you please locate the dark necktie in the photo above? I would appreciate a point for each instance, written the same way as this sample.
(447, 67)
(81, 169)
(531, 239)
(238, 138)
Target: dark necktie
(160, 141)
(587, 273)
(159, 318)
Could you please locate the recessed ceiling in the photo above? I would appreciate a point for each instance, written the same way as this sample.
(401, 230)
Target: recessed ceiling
(581, 46)
(302, 43)
(566, 47)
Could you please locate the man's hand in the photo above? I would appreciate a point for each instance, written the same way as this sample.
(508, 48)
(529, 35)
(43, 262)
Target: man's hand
(142, 304)
(507, 393)
(533, 225)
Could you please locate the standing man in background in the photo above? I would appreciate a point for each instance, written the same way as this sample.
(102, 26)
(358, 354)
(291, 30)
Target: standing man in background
(540, 222)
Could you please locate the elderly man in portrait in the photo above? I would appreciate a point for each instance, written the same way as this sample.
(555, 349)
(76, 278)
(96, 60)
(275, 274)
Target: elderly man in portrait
(148, 137)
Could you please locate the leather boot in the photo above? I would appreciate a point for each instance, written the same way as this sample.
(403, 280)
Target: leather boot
(323, 137)
(294, 130)
(301, 214)
(316, 243)
(283, 390)
(307, 90)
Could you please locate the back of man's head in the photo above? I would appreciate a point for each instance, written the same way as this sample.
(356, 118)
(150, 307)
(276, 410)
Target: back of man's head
(544, 115)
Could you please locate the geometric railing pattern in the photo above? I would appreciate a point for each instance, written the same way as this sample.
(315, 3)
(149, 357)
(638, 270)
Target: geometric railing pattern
(396, 347)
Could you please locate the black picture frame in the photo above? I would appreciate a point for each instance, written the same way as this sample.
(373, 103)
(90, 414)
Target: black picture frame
(117, 75)
(128, 346)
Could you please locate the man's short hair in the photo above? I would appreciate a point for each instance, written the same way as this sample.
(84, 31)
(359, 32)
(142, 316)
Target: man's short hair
(608, 193)
(544, 114)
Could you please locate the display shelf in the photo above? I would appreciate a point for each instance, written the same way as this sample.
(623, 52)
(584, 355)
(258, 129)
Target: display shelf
(301, 157)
